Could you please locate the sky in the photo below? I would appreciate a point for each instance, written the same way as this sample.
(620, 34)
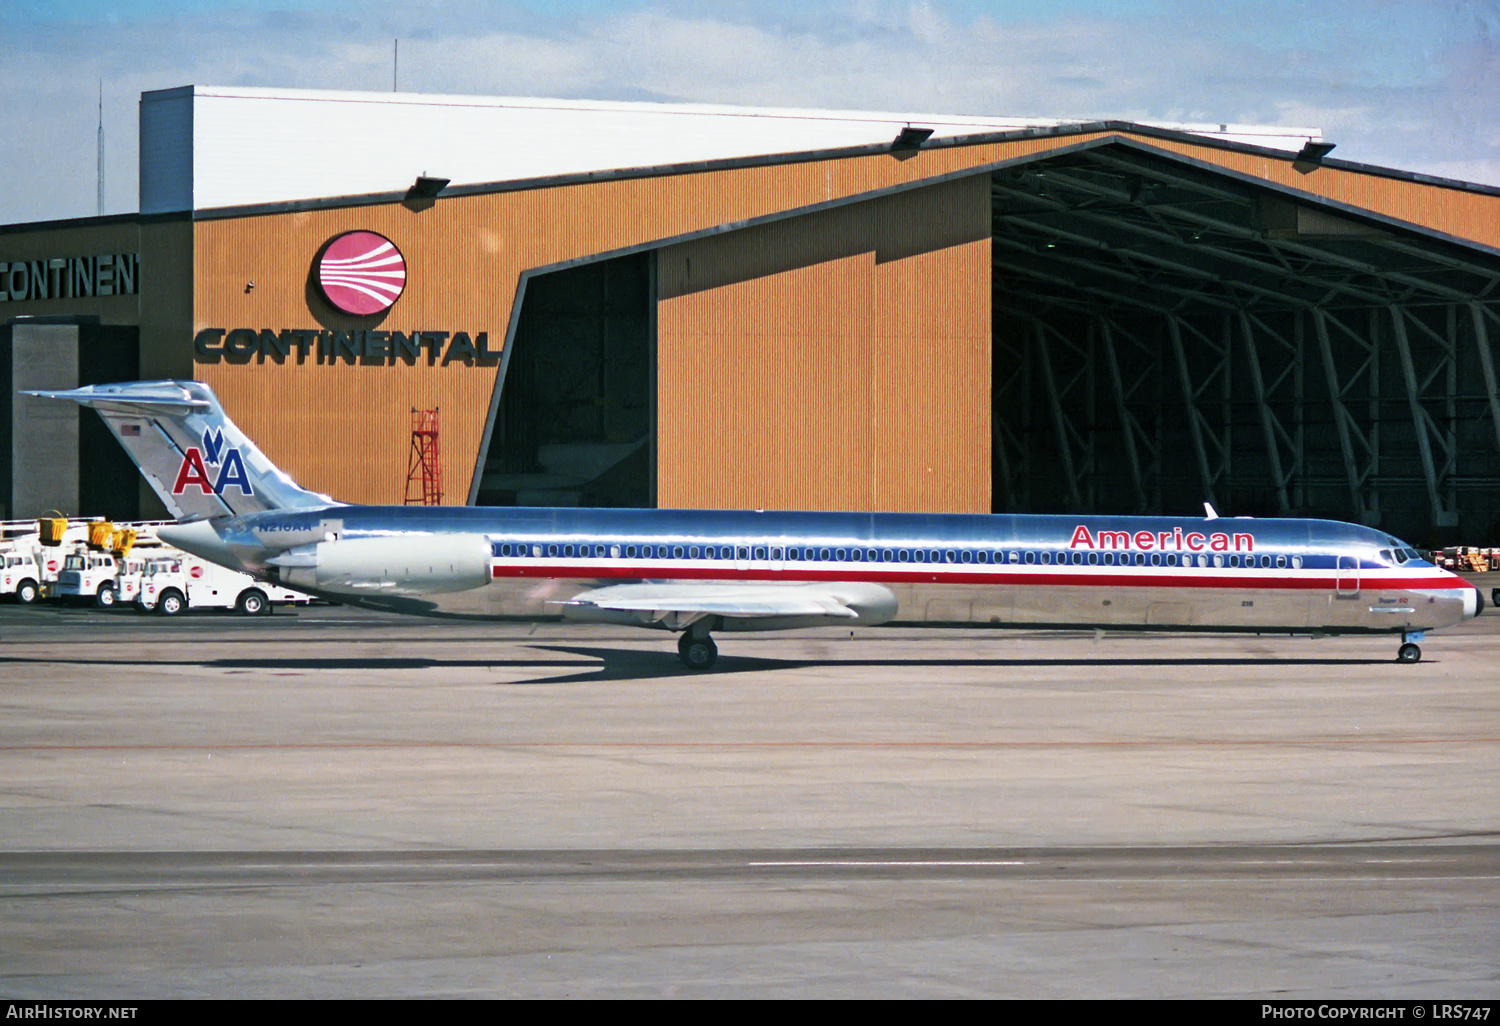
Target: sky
(1410, 84)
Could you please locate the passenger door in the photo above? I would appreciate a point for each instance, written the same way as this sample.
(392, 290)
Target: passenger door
(1346, 583)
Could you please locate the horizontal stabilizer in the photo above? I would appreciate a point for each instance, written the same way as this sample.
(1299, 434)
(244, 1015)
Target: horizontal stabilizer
(144, 397)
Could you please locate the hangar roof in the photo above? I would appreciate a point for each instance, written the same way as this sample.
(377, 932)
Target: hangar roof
(207, 147)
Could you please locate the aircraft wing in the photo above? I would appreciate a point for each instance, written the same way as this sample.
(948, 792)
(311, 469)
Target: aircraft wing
(689, 601)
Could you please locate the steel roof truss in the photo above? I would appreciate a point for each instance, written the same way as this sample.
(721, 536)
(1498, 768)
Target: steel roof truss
(1133, 284)
(1213, 468)
(1010, 457)
(1076, 393)
(1100, 235)
(1315, 252)
(1171, 238)
(1135, 387)
(1426, 428)
(1289, 357)
(1477, 316)
(1358, 467)
(1158, 170)
(1190, 271)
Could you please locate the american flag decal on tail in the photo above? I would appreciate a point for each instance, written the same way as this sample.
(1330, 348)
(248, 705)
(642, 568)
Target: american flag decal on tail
(362, 273)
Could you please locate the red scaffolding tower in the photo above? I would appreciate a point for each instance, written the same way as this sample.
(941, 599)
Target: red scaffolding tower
(426, 466)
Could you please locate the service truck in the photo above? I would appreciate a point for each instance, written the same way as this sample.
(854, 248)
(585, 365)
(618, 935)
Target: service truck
(21, 573)
(58, 539)
(133, 566)
(170, 585)
(87, 577)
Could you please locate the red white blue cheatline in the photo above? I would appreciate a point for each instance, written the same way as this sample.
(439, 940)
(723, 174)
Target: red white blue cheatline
(362, 273)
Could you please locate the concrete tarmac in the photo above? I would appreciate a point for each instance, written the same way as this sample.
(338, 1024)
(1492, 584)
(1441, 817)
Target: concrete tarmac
(332, 803)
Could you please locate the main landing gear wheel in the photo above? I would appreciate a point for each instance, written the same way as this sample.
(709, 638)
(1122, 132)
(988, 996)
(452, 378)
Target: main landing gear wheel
(697, 654)
(1408, 653)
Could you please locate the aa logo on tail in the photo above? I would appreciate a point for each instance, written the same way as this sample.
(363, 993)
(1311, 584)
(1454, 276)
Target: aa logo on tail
(193, 472)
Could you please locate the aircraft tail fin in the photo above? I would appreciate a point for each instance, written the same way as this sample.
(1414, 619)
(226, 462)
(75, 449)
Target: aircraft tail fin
(199, 462)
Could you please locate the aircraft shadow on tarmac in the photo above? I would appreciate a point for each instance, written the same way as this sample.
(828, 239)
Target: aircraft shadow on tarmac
(623, 664)
(639, 664)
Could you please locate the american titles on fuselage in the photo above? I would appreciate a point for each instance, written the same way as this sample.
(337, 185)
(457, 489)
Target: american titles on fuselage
(370, 348)
(1175, 540)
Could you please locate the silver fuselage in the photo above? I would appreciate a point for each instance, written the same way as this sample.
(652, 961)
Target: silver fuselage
(1225, 574)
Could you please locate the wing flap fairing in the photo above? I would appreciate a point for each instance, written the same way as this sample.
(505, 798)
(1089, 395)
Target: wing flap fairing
(677, 604)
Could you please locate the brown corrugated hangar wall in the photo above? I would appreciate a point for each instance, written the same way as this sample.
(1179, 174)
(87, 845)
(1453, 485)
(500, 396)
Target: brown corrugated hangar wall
(832, 354)
(972, 327)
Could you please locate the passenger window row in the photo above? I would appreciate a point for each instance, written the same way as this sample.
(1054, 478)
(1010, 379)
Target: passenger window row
(824, 554)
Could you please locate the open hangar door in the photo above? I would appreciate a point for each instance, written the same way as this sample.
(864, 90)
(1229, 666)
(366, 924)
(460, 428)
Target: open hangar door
(1168, 332)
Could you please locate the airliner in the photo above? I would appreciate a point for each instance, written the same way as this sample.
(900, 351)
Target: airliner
(706, 571)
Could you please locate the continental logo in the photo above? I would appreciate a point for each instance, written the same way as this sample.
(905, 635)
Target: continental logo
(361, 273)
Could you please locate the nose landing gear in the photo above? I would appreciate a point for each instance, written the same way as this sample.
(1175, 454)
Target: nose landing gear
(1409, 652)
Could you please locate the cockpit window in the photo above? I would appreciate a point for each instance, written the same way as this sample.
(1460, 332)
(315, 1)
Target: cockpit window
(1386, 557)
(1403, 551)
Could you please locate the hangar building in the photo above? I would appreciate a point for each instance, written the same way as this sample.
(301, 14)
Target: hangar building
(631, 304)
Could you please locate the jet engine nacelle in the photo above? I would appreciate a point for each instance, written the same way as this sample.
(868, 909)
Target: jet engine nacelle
(399, 564)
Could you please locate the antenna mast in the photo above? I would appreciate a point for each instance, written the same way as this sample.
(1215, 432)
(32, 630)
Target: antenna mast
(101, 147)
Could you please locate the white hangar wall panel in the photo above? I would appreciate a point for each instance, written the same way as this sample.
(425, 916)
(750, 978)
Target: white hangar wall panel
(204, 147)
(167, 151)
(467, 139)
(834, 361)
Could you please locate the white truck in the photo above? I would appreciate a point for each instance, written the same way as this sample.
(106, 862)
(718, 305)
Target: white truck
(49, 562)
(133, 567)
(20, 573)
(87, 577)
(172, 584)
(68, 538)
